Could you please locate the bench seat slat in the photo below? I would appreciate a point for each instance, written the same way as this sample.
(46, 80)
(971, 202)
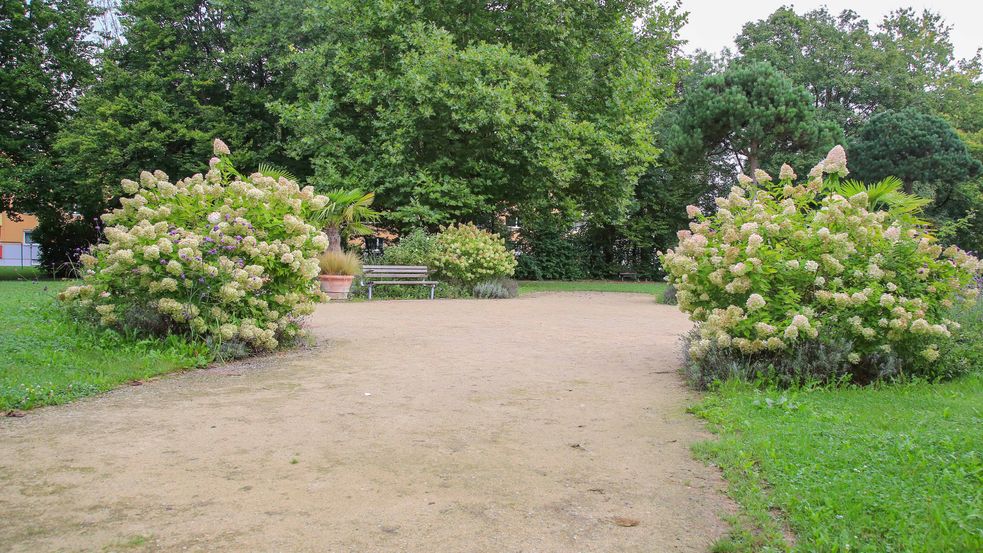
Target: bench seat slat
(394, 275)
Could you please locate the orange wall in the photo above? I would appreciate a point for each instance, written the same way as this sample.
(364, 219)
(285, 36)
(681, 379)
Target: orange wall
(13, 231)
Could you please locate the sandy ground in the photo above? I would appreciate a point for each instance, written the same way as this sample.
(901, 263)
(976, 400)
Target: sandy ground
(448, 426)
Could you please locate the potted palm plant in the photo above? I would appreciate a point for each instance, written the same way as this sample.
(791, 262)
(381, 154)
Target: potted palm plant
(338, 270)
(347, 211)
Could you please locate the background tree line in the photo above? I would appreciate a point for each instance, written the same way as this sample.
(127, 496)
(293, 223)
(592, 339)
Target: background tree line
(581, 119)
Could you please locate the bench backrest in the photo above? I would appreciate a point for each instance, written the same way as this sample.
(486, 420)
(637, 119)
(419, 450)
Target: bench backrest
(390, 272)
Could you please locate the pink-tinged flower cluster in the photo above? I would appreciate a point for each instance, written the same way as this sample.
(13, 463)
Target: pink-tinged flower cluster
(782, 262)
(217, 255)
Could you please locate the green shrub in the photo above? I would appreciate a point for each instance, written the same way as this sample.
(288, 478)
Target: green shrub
(415, 248)
(466, 254)
(502, 288)
(549, 250)
(220, 256)
(782, 265)
(966, 354)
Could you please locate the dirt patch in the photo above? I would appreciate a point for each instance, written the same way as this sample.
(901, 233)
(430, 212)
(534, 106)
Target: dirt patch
(553, 422)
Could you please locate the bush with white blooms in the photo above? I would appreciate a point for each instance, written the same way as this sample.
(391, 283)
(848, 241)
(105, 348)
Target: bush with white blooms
(222, 256)
(782, 267)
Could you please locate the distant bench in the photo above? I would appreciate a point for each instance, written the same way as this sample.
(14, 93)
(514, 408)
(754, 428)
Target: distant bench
(397, 275)
(628, 275)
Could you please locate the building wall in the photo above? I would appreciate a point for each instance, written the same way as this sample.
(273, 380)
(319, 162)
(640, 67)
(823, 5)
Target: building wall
(13, 231)
(13, 251)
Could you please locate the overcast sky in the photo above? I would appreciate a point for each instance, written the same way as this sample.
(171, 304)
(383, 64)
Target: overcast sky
(714, 24)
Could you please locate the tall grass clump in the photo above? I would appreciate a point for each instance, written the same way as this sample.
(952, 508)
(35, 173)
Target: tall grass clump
(340, 263)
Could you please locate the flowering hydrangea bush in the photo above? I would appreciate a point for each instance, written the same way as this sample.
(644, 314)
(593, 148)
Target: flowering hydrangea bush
(220, 255)
(468, 255)
(783, 266)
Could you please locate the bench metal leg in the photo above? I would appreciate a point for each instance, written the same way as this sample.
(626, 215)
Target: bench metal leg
(370, 290)
(432, 290)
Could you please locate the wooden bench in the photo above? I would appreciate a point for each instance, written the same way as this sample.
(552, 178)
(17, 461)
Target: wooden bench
(397, 275)
(625, 276)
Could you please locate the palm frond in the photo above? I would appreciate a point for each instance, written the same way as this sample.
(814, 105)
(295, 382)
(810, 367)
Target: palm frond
(274, 172)
(886, 194)
(350, 209)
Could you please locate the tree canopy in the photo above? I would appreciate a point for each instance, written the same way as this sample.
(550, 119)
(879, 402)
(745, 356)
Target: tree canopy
(45, 64)
(453, 112)
(581, 118)
(913, 146)
(854, 70)
(751, 112)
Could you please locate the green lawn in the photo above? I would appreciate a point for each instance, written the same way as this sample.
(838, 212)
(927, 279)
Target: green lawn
(19, 273)
(46, 358)
(890, 468)
(653, 288)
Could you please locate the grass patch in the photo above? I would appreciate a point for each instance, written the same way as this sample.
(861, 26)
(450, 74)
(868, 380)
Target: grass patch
(19, 273)
(46, 358)
(884, 468)
(652, 288)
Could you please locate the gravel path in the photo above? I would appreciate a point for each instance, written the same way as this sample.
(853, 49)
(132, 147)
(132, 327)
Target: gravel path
(549, 423)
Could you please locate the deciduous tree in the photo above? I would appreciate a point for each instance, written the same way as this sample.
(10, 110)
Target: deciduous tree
(456, 111)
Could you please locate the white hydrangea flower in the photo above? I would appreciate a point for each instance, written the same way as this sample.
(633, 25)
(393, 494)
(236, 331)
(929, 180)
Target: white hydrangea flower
(755, 301)
(835, 162)
(129, 186)
(786, 173)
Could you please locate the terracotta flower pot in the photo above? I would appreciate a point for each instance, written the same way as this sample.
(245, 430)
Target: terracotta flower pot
(336, 286)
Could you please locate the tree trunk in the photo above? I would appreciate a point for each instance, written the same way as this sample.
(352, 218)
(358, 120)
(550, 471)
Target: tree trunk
(909, 187)
(334, 239)
(752, 162)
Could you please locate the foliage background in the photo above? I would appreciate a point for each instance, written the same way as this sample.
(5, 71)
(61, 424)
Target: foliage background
(576, 117)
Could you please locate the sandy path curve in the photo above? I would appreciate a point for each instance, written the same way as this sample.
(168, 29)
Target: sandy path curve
(446, 426)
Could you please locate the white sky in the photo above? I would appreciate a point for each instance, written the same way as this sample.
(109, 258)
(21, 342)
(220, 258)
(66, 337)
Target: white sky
(714, 24)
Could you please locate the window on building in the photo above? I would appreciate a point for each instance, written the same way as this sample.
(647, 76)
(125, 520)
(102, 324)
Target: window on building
(27, 237)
